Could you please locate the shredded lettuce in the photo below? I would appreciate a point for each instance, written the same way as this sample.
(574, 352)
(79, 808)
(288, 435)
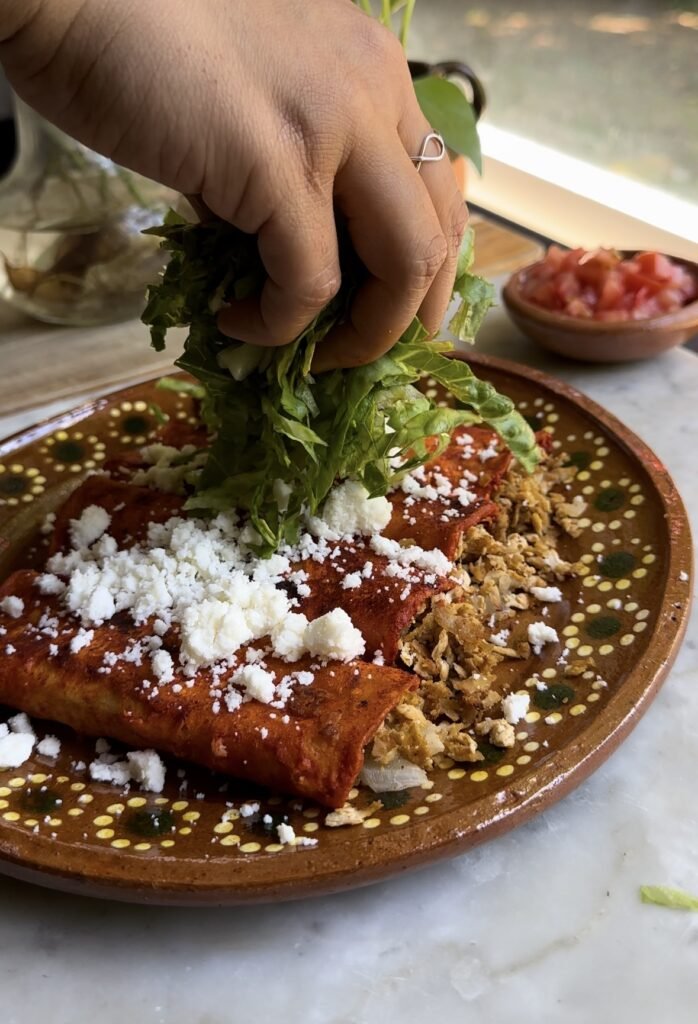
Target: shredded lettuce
(664, 896)
(271, 419)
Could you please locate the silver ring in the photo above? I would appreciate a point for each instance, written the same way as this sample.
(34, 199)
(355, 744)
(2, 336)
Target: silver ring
(425, 157)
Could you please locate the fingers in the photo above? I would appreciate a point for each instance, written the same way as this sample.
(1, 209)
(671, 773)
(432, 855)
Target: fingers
(452, 212)
(397, 235)
(298, 247)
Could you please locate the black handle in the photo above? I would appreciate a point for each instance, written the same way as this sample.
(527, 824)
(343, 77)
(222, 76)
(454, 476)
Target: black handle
(454, 69)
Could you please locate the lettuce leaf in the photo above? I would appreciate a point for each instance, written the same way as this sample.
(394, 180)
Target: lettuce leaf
(273, 420)
(664, 896)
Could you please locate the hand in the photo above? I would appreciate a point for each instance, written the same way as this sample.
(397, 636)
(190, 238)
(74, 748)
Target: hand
(278, 112)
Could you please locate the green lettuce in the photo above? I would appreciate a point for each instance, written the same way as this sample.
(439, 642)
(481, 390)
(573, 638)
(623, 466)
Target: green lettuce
(664, 896)
(279, 422)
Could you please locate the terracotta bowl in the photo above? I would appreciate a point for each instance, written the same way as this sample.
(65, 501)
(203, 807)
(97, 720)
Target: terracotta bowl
(597, 341)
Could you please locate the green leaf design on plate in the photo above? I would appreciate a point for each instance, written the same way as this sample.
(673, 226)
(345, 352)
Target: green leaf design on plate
(448, 112)
(490, 753)
(41, 802)
(553, 697)
(617, 564)
(603, 626)
(150, 823)
(610, 499)
(535, 421)
(68, 451)
(391, 801)
(579, 459)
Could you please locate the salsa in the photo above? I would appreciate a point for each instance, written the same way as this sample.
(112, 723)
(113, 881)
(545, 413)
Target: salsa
(599, 284)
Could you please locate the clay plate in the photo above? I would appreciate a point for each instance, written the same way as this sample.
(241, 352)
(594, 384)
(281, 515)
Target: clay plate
(628, 612)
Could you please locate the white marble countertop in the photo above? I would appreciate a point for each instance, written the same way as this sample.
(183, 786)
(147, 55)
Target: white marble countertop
(542, 926)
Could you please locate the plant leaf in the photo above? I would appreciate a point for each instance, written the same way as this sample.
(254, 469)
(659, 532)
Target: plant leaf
(448, 112)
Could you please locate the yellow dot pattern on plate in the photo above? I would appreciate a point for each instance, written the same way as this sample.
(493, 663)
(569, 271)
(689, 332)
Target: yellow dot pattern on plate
(121, 844)
(311, 826)
(553, 718)
(103, 819)
(433, 798)
(142, 846)
(38, 778)
(55, 822)
(180, 805)
(30, 822)
(570, 630)
(639, 627)
(479, 776)
(311, 812)
(627, 640)
(531, 746)
(5, 791)
(399, 819)
(642, 614)
(532, 716)
(572, 643)
(578, 617)
(523, 759)
(4, 804)
(577, 709)
(167, 843)
(161, 801)
(371, 823)
(585, 651)
(191, 816)
(252, 847)
(273, 848)
(606, 585)
(11, 816)
(593, 697)
(505, 769)
(186, 831)
(75, 812)
(605, 649)
(77, 787)
(422, 809)
(456, 773)
(105, 833)
(17, 783)
(353, 793)
(549, 673)
(115, 809)
(136, 801)
(233, 840)
(223, 827)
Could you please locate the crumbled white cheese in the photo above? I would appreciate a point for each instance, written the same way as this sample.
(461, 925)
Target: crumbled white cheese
(430, 561)
(551, 594)
(15, 749)
(163, 666)
(515, 707)
(285, 833)
(540, 634)
(147, 768)
(49, 746)
(352, 581)
(247, 810)
(348, 511)
(683, 576)
(334, 636)
(48, 523)
(288, 637)
(50, 584)
(20, 723)
(12, 606)
(89, 526)
(256, 682)
(83, 638)
(500, 639)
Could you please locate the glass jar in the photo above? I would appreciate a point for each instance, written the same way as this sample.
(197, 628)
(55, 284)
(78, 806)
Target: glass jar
(71, 244)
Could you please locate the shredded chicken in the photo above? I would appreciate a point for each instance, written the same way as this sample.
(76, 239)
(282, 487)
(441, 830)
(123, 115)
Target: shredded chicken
(459, 644)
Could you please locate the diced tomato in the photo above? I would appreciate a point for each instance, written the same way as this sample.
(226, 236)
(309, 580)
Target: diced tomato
(599, 283)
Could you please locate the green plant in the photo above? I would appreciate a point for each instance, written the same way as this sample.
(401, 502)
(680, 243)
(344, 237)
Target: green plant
(444, 105)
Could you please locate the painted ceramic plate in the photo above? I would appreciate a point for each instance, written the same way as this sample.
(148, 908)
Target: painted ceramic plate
(627, 611)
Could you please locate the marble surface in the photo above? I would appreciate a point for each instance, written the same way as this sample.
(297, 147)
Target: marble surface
(543, 925)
